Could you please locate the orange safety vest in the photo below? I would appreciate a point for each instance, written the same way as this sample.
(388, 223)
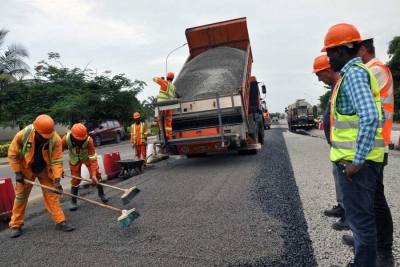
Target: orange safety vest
(387, 99)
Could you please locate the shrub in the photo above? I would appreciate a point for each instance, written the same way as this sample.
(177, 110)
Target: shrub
(4, 150)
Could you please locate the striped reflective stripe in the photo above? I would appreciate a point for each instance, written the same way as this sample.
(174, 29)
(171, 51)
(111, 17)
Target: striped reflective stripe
(388, 115)
(353, 145)
(21, 198)
(387, 100)
(93, 156)
(350, 124)
(168, 128)
(56, 161)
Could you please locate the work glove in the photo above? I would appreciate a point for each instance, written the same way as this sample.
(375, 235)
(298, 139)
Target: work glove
(94, 180)
(58, 185)
(19, 177)
(133, 146)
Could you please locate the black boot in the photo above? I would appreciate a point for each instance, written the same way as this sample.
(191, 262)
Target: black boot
(102, 196)
(74, 191)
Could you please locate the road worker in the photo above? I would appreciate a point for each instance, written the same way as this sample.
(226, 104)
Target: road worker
(36, 152)
(167, 92)
(139, 137)
(383, 216)
(356, 136)
(81, 151)
(328, 76)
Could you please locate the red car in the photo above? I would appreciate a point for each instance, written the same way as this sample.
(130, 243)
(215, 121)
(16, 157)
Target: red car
(104, 130)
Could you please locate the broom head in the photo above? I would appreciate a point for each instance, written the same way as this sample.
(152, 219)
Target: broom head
(127, 217)
(129, 195)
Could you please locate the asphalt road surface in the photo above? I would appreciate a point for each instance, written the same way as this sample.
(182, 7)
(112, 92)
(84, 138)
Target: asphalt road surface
(219, 210)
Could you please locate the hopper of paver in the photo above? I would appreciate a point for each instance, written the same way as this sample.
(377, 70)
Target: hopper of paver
(219, 101)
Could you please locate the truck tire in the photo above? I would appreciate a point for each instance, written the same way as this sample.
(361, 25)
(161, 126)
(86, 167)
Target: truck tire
(261, 136)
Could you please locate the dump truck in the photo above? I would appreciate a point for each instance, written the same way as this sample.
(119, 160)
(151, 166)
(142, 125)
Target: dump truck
(300, 115)
(218, 106)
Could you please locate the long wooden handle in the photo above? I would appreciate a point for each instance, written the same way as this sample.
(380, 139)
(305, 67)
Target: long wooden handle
(72, 195)
(89, 180)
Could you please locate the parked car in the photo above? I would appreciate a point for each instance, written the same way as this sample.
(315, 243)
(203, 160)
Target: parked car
(275, 119)
(104, 130)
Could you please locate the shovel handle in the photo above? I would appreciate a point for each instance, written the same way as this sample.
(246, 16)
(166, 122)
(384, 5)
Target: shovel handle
(72, 195)
(88, 180)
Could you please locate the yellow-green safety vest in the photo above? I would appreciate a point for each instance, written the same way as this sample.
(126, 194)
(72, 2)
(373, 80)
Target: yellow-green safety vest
(83, 154)
(25, 147)
(142, 133)
(168, 94)
(345, 127)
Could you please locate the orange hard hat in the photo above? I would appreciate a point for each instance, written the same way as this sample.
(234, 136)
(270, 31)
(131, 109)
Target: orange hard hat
(170, 75)
(136, 115)
(321, 63)
(44, 125)
(341, 34)
(79, 131)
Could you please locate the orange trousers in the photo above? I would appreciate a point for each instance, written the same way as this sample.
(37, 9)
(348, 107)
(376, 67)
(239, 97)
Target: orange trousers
(167, 123)
(140, 152)
(76, 171)
(51, 200)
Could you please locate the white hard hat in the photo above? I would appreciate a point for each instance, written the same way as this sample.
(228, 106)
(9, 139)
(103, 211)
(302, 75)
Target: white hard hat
(365, 35)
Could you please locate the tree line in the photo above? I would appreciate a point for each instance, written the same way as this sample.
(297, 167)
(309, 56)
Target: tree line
(67, 95)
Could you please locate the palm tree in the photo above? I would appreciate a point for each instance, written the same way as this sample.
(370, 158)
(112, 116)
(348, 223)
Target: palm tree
(12, 66)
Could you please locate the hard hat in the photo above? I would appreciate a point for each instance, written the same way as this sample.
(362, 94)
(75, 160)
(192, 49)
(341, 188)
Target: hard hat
(321, 63)
(136, 115)
(79, 131)
(44, 125)
(365, 35)
(170, 75)
(341, 34)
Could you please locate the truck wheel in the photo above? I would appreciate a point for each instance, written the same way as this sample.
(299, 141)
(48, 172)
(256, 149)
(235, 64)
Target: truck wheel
(261, 136)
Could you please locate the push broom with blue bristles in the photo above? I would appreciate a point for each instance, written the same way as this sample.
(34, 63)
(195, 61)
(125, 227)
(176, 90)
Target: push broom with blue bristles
(128, 195)
(126, 218)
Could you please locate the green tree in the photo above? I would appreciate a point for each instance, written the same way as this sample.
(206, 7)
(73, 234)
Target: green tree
(394, 66)
(71, 95)
(12, 65)
(323, 99)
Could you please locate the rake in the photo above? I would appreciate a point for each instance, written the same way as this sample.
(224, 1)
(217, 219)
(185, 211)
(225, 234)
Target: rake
(126, 218)
(128, 195)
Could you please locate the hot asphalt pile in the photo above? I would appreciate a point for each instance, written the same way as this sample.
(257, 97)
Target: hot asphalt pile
(216, 70)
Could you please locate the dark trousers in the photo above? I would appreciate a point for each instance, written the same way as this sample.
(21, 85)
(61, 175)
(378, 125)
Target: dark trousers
(383, 217)
(358, 201)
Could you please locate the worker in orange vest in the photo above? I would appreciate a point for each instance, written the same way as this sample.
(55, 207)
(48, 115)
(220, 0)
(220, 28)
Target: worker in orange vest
(167, 92)
(383, 216)
(139, 137)
(81, 151)
(36, 152)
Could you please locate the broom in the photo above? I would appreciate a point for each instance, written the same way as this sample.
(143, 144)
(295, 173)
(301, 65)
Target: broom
(126, 218)
(128, 195)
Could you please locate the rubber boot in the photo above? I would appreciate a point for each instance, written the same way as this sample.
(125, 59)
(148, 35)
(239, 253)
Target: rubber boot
(74, 191)
(102, 196)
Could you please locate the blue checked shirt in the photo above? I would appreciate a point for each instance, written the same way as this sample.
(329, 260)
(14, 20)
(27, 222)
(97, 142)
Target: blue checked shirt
(355, 97)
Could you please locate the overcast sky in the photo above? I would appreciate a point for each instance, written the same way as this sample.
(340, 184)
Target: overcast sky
(134, 37)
